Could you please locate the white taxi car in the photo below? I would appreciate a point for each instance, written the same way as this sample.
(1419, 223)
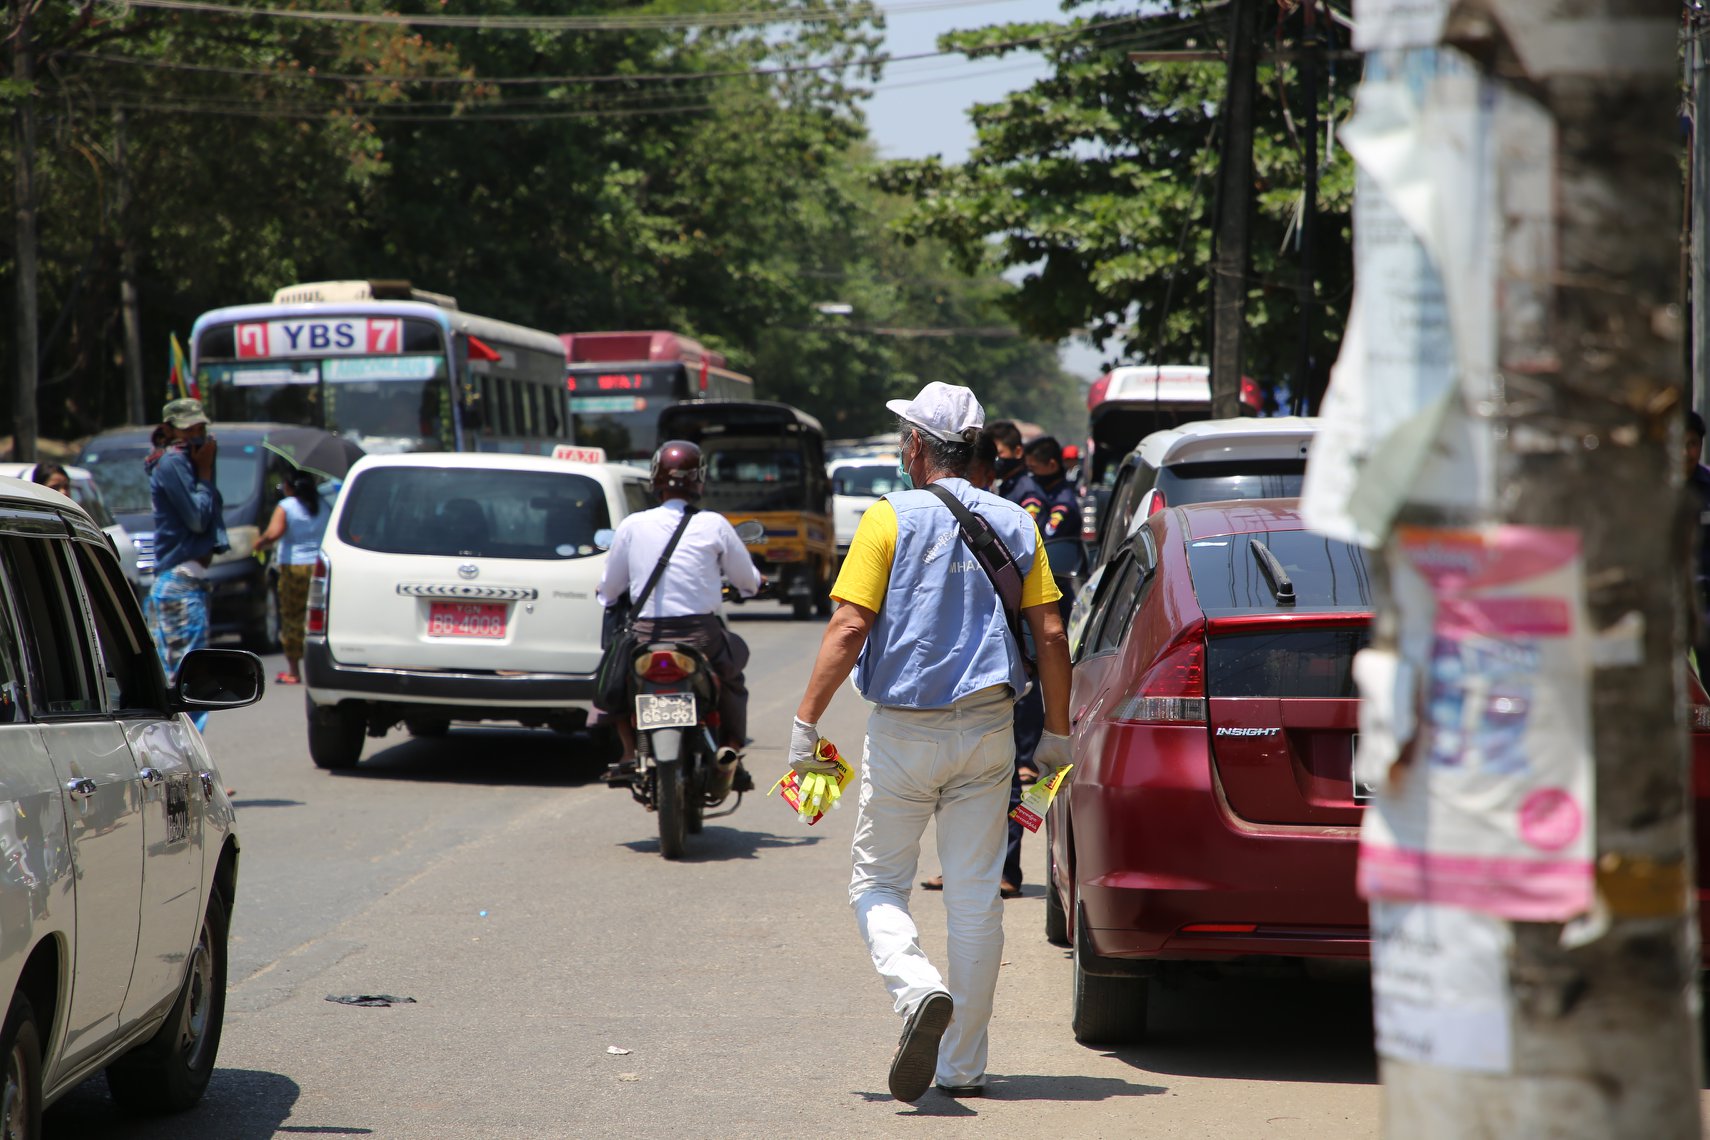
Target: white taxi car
(118, 855)
(459, 587)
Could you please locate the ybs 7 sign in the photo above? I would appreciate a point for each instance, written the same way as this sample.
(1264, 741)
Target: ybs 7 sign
(327, 336)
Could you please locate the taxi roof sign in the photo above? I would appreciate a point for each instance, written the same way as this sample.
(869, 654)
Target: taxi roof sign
(579, 454)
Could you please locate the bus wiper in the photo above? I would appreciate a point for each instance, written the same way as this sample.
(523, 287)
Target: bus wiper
(1282, 587)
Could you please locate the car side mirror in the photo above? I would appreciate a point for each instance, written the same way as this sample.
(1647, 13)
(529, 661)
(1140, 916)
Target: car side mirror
(211, 679)
(751, 531)
(603, 538)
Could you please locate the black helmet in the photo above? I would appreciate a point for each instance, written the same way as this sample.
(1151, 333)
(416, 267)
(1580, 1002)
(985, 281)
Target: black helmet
(678, 469)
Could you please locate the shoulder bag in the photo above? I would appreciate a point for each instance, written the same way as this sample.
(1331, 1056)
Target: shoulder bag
(999, 565)
(611, 679)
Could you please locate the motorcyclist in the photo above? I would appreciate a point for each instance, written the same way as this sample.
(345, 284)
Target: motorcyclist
(683, 606)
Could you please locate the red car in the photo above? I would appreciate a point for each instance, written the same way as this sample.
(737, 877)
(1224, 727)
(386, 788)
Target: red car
(1212, 814)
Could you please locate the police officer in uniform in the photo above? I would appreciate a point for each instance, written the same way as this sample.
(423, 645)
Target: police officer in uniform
(921, 625)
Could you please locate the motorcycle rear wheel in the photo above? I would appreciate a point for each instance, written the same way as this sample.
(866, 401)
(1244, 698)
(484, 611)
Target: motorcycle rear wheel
(671, 806)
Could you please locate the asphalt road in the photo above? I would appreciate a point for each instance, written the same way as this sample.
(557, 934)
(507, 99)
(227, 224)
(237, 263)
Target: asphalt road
(525, 908)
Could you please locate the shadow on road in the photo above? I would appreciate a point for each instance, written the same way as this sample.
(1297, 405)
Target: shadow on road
(240, 1104)
(1259, 1028)
(742, 615)
(719, 843)
(263, 803)
(483, 755)
(1021, 1087)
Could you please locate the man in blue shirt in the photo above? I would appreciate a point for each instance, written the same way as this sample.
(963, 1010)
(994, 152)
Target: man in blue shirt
(188, 532)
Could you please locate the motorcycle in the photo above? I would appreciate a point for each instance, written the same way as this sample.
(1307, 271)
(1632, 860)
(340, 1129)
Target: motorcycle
(678, 776)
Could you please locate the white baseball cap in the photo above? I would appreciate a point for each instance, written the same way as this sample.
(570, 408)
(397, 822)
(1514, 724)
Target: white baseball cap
(948, 411)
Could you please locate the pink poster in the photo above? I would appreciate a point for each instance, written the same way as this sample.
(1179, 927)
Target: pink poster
(1487, 802)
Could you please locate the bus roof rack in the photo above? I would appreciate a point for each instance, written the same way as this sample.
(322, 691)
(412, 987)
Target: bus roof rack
(319, 292)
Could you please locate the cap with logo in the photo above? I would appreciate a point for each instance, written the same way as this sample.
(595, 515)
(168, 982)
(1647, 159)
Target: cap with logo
(183, 413)
(948, 411)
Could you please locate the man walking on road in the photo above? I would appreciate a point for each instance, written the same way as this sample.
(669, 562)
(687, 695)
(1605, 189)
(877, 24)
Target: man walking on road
(188, 532)
(922, 625)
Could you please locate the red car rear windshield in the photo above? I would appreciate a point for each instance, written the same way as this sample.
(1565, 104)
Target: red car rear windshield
(1327, 575)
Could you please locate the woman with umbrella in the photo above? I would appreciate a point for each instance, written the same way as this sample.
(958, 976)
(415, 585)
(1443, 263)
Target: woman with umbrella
(298, 523)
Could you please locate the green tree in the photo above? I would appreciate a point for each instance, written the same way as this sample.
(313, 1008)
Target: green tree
(1098, 180)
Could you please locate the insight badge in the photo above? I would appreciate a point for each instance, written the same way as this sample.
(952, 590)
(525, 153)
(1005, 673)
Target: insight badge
(1248, 731)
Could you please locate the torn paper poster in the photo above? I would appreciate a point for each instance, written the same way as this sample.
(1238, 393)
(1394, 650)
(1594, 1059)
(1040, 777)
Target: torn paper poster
(1493, 808)
(1447, 239)
(1439, 986)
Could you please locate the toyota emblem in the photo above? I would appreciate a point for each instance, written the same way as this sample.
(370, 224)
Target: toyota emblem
(468, 570)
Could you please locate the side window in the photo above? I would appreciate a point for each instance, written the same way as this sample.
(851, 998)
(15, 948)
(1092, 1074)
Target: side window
(553, 400)
(56, 638)
(13, 687)
(1111, 577)
(1118, 608)
(129, 667)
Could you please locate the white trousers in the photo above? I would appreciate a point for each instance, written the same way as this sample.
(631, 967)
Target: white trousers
(954, 763)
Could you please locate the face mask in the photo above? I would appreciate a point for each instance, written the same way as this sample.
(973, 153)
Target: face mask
(1007, 467)
(907, 479)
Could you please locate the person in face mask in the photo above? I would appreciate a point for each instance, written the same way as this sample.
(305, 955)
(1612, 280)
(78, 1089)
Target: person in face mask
(1011, 466)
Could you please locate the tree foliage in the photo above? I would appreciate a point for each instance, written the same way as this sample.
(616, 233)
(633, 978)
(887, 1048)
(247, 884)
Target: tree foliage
(1099, 180)
(702, 177)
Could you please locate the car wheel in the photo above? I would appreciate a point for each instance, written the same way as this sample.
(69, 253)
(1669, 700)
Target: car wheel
(264, 638)
(21, 1095)
(427, 726)
(336, 733)
(170, 1071)
(1105, 1010)
(1056, 914)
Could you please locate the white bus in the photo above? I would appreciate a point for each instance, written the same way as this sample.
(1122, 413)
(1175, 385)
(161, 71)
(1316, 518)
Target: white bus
(388, 366)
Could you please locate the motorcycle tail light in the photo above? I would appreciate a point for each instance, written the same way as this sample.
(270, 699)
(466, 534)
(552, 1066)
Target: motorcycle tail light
(320, 585)
(665, 666)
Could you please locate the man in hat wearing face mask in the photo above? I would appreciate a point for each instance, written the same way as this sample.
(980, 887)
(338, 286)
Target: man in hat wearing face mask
(921, 624)
(188, 532)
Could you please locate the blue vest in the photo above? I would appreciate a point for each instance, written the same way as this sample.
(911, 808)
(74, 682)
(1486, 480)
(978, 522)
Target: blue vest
(941, 633)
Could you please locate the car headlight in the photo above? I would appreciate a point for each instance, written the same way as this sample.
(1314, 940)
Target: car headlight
(242, 540)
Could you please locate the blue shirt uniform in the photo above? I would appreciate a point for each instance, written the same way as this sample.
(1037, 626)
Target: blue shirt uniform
(187, 522)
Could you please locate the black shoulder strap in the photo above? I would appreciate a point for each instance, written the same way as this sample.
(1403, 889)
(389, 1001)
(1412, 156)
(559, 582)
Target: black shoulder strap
(671, 546)
(985, 545)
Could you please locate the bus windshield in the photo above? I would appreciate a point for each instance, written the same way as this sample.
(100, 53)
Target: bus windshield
(384, 403)
(616, 406)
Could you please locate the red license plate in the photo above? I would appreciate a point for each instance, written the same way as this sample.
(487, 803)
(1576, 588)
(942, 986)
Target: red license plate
(466, 619)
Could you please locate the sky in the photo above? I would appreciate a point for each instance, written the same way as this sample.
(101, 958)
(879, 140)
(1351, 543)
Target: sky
(921, 106)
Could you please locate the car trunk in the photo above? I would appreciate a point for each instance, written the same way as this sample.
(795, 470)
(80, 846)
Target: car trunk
(1284, 716)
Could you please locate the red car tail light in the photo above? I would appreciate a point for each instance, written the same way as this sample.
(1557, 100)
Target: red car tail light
(1172, 691)
(320, 586)
(666, 666)
(1700, 703)
(1158, 503)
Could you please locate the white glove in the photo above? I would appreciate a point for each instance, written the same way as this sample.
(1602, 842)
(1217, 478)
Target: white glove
(1053, 752)
(803, 738)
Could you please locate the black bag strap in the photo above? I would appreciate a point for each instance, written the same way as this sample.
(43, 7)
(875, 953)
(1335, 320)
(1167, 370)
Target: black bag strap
(995, 558)
(653, 580)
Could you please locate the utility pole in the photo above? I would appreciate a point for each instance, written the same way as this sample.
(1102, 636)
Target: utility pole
(135, 411)
(1305, 391)
(24, 399)
(1698, 63)
(1234, 213)
(1531, 738)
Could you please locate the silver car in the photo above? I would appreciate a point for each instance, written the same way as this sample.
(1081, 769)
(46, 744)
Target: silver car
(118, 853)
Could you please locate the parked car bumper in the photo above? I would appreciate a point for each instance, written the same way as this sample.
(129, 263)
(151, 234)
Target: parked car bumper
(1158, 852)
(330, 682)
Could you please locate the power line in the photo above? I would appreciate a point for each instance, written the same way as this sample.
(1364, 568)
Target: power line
(567, 80)
(567, 23)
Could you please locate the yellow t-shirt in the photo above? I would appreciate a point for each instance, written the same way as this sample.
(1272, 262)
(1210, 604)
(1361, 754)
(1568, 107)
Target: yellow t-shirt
(866, 573)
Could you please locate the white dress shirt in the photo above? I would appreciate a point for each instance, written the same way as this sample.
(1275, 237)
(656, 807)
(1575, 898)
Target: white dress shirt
(708, 553)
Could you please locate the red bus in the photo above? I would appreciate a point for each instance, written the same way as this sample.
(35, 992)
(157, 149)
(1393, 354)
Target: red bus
(619, 382)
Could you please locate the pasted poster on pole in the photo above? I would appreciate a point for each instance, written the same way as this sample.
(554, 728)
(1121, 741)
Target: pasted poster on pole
(1445, 237)
(1489, 804)
(1440, 986)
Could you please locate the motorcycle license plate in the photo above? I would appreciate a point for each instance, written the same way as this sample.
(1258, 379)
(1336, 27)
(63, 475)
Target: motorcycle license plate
(466, 619)
(668, 710)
